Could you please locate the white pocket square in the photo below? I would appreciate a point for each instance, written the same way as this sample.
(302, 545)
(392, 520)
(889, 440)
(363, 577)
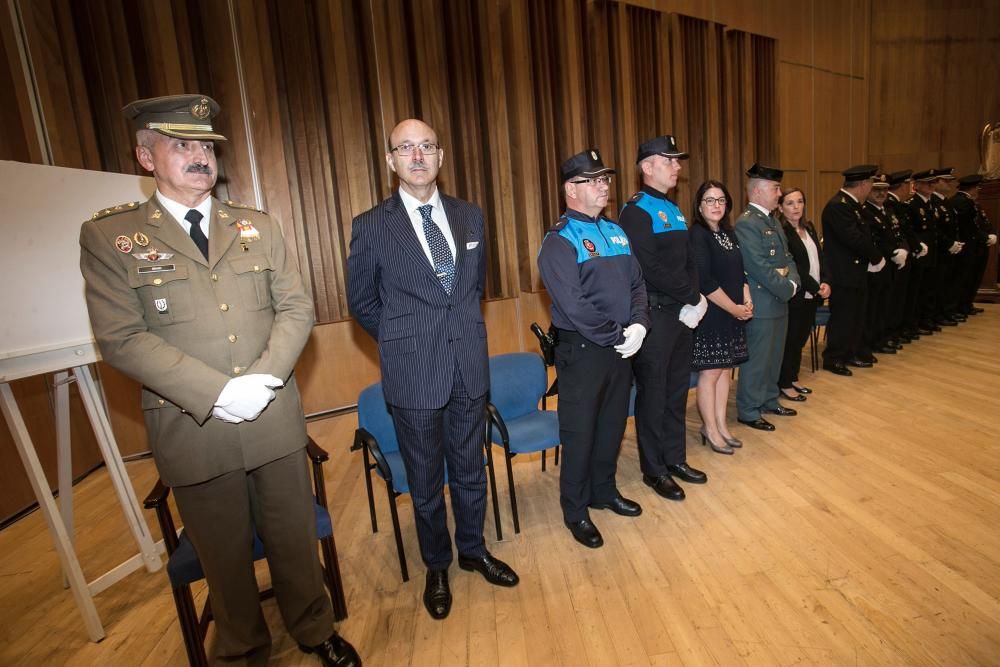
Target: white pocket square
(470, 245)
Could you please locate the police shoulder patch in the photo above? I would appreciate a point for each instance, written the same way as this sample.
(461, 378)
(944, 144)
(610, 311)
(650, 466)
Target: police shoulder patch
(636, 197)
(113, 210)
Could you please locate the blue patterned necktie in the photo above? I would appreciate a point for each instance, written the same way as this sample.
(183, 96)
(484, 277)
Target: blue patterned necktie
(194, 216)
(444, 263)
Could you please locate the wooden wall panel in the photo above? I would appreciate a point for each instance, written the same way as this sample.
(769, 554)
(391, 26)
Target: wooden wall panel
(18, 139)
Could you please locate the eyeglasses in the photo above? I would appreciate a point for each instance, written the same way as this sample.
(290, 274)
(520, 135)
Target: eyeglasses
(712, 201)
(406, 150)
(598, 180)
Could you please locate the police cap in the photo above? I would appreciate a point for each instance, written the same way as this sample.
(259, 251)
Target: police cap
(665, 146)
(587, 164)
(180, 116)
(897, 178)
(970, 181)
(766, 173)
(861, 172)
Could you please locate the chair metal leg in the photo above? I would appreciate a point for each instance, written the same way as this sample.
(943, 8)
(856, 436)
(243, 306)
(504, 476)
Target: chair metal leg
(187, 616)
(513, 495)
(334, 583)
(368, 487)
(493, 490)
(558, 447)
(395, 529)
(543, 460)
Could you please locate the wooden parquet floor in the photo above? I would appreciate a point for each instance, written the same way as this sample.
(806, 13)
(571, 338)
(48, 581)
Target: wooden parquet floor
(861, 532)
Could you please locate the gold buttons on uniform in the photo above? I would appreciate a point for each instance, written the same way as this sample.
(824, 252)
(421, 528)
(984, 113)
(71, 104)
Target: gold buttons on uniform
(256, 268)
(237, 370)
(157, 281)
(224, 307)
(232, 338)
(162, 402)
(215, 277)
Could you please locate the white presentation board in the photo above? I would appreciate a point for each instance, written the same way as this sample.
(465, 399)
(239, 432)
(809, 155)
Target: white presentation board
(44, 325)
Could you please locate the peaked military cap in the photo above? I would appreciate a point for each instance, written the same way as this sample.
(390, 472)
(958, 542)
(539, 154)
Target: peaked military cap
(944, 172)
(665, 146)
(587, 164)
(970, 181)
(897, 178)
(880, 181)
(767, 173)
(861, 172)
(926, 175)
(180, 116)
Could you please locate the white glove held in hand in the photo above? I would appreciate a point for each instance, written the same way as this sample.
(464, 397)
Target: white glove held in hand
(219, 413)
(923, 249)
(955, 248)
(689, 316)
(899, 256)
(246, 397)
(875, 268)
(634, 335)
(702, 306)
(991, 239)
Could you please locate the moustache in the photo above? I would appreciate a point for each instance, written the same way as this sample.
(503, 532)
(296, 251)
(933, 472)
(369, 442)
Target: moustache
(199, 169)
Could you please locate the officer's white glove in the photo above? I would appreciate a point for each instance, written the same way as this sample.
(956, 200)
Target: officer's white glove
(689, 316)
(955, 248)
(702, 306)
(991, 239)
(219, 413)
(923, 249)
(247, 396)
(899, 256)
(875, 268)
(795, 287)
(634, 335)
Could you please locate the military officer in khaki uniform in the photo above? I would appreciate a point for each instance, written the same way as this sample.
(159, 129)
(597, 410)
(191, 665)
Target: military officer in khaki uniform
(197, 299)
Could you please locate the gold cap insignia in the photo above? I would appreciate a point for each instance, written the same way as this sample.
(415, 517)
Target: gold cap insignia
(200, 109)
(593, 155)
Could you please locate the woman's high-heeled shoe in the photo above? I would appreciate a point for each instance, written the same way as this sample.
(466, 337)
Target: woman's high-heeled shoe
(736, 443)
(798, 398)
(719, 449)
(801, 390)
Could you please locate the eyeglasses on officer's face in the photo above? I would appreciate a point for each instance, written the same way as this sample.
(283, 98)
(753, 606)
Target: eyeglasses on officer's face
(407, 150)
(598, 180)
(712, 201)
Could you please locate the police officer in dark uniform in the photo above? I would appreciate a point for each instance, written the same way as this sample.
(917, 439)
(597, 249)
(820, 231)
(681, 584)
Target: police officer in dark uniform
(924, 220)
(949, 246)
(880, 283)
(902, 324)
(850, 255)
(978, 234)
(601, 315)
(658, 232)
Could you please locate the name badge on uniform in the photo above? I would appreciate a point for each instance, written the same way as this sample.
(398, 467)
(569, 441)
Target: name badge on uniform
(161, 268)
(161, 305)
(471, 245)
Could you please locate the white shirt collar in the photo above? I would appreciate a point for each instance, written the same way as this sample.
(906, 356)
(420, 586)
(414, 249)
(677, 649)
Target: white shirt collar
(850, 195)
(925, 199)
(411, 203)
(179, 210)
(761, 208)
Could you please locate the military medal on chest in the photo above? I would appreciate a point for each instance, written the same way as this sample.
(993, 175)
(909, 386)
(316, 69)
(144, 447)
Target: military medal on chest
(248, 233)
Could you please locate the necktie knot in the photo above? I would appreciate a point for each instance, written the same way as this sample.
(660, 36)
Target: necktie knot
(194, 216)
(425, 212)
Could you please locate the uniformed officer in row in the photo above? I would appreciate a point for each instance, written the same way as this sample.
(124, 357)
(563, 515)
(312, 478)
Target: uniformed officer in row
(949, 264)
(978, 234)
(903, 320)
(773, 280)
(924, 217)
(880, 284)
(659, 236)
(600, 312)
(198, 300)
(850, 256)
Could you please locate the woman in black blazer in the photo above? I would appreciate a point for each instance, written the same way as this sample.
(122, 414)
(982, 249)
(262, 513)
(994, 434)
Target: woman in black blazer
(804, 246)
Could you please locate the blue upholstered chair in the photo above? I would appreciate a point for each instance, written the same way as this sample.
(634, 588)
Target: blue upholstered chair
(376, 438)
(184, 568)
(822, 319)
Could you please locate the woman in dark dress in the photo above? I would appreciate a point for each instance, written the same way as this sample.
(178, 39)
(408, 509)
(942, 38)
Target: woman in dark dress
(720, 341)
(804, 246)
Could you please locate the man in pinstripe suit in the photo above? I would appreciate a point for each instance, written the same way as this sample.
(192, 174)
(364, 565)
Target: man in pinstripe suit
(416, 275)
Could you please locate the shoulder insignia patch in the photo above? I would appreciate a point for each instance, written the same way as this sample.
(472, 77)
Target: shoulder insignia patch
(234, 204)
(637, 196)
(120, 208)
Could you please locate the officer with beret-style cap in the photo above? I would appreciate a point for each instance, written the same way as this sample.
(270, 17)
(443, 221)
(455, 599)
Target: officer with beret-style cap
(658, 232)
(978, 234)
(850, 255)
(773, 279)
(198, 301)
(601, 315)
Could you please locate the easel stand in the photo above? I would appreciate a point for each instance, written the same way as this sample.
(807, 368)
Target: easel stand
(62, 530)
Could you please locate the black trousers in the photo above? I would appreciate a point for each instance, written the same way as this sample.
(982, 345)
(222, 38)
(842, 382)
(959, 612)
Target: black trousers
(847, 322)
(801, 318)
(662, 378)
(594, 387)
(928, 297)
(948, 277)
(977, 266)
(897, 299)
(879, 289)
(427, 438)
(911, 309)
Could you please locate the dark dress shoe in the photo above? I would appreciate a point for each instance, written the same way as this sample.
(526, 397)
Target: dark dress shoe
(860, 363)
(493, 569)
(925, 331)
(946, 322)
(620, 505)
(838, 369)
(975, 310)
(797, 399)
(760, 424)
(687, 473)
(585, 533)
(885, 349)
(781, 411)
(437, 595)
(802, 390)
(334, 652)
(665, 486)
